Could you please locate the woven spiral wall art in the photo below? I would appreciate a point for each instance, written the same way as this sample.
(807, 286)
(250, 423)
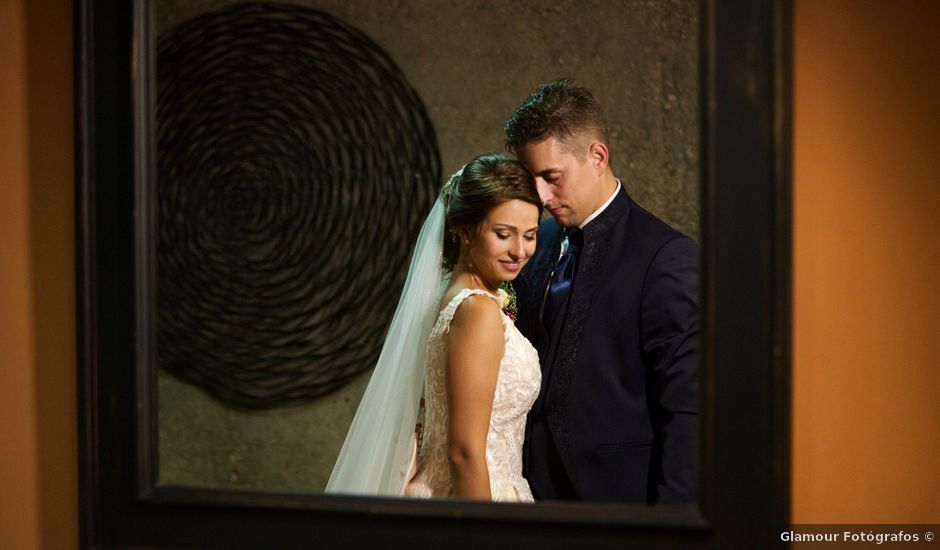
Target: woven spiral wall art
(295, 165)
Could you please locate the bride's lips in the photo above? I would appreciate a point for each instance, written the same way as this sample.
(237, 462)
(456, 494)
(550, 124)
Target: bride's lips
(512, 266)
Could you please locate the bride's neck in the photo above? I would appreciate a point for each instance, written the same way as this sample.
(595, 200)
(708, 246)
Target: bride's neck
(470, 279)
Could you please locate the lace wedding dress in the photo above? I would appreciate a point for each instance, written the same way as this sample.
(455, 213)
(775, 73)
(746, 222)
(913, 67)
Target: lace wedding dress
(517, 387)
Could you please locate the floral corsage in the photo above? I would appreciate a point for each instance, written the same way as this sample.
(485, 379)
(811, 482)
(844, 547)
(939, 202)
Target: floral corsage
(507, 300)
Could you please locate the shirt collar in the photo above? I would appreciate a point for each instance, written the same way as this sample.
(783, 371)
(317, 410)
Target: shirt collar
(596, 213)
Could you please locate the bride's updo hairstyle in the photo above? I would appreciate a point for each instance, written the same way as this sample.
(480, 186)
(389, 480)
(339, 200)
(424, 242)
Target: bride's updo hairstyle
(483, 184)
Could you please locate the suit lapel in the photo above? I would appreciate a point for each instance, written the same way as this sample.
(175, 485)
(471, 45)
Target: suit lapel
(590, 271)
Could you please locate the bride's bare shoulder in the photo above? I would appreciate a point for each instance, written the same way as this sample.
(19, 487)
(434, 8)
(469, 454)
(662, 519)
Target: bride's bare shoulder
(456, 288)
(477, 312)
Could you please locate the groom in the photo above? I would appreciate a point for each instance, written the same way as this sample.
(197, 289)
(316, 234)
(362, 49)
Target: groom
(610, 301)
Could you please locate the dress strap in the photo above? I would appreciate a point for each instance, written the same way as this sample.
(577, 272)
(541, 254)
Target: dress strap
(447, 314)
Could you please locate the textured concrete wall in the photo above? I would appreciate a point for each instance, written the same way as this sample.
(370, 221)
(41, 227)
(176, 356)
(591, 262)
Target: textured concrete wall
(472, 62)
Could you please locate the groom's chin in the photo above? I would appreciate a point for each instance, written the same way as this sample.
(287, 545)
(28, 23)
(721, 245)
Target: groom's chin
(564, 219)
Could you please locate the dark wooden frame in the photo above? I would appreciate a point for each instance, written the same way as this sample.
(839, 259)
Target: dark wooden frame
(745, 497)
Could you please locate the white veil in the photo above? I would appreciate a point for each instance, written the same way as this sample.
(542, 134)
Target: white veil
(377, 454)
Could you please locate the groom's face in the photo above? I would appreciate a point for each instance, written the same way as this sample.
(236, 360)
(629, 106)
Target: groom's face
(567, 178)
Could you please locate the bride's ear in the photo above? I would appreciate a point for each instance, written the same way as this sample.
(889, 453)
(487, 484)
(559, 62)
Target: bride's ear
(463, 236)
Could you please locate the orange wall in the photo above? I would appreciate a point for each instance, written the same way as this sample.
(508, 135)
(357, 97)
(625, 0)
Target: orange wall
(38, 450)
(866, 315)
(866, 420)
(18, 446)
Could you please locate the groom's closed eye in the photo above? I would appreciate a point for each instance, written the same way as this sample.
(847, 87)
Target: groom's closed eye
(549, 176)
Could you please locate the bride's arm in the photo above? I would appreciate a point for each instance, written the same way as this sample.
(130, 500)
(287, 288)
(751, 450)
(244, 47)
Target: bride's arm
(475, 348)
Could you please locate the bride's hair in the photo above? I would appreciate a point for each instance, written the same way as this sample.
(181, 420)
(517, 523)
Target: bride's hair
(484, 183)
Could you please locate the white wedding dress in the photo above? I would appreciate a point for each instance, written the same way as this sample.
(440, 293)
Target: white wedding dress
(517, 387)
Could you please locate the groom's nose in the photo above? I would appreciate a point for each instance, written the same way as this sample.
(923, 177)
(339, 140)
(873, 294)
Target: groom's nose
(545, 193)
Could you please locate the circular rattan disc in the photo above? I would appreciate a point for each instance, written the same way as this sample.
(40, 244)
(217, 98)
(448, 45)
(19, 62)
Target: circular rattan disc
(295, 165)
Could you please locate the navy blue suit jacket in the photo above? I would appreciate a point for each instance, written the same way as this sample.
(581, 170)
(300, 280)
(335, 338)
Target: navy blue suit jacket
(619, 398)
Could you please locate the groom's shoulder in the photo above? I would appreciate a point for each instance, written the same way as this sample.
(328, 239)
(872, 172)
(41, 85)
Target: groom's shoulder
(644, 235)
(652, 227)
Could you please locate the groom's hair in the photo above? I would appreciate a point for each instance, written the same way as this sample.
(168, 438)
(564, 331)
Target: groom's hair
(561, 109)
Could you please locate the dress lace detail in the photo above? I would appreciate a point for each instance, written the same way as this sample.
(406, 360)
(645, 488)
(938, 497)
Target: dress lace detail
(517, 386)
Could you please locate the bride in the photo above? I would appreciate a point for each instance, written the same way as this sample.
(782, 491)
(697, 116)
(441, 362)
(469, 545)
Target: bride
(454, 366)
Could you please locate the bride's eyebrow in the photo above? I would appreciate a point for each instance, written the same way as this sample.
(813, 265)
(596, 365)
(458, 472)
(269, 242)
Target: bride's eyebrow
(513, 227)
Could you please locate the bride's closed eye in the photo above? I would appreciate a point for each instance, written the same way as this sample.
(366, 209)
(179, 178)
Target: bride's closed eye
(504, 236)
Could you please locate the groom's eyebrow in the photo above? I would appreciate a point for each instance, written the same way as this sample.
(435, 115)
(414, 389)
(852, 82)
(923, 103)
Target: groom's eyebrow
(548, 172)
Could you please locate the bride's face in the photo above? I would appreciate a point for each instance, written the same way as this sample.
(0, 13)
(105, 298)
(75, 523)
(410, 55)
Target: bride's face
(504, 241)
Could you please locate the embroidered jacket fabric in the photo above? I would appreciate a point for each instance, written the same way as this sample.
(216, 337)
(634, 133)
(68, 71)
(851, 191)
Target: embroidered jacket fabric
(516, 389)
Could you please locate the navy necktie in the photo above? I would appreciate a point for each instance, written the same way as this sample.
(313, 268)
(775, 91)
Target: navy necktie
(562, 278)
